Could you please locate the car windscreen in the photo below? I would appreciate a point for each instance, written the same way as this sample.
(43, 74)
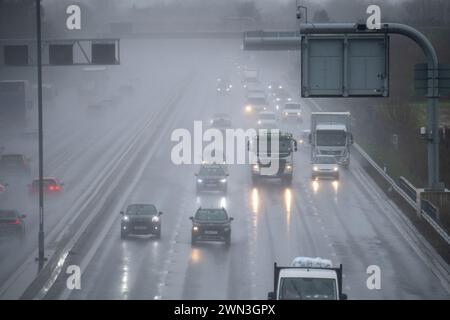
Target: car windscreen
(141, 210)
(267, 116)
(211, 215)
(8, 214)
(45, 182)
(325, 160)
(292, 106)
(331, 138)
(212, 171)
(221, 123)
(307, 289)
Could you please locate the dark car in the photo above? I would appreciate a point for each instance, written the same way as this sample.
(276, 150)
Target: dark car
(140, 219)
(211, 225)
(223, 85)
(212, 177)
(51, 186)
(12, 223)
(14, 163)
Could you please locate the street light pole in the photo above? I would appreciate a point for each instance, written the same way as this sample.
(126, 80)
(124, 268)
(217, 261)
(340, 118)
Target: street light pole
(41, 257)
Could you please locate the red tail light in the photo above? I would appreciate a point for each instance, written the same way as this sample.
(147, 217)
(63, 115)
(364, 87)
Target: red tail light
(16, 221)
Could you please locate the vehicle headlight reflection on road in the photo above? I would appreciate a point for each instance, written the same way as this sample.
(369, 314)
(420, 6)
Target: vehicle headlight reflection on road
(255, 200)
(288, 204)
(335, 185)
(195, 255)
(315, 185)
(223, 202)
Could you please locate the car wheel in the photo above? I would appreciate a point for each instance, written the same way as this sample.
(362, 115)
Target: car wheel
(287, 181)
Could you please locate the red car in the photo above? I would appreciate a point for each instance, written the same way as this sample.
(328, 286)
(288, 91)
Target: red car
(50, 184)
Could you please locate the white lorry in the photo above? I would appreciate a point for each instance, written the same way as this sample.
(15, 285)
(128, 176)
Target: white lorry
(307, 279)
(331, 135)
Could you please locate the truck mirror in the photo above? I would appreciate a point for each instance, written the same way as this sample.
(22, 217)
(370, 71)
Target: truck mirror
(271, 295)
(344, 296)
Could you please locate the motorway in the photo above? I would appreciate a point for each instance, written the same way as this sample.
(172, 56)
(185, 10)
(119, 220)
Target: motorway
(351, 222)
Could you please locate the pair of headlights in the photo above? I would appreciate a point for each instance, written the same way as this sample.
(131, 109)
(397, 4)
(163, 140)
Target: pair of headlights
(201, 180)
(154, 219)
(317, 169)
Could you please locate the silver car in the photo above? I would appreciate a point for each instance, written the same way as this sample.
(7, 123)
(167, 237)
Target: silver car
(325, 166)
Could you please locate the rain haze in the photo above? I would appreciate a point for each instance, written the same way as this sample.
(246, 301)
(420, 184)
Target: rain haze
(189, 145)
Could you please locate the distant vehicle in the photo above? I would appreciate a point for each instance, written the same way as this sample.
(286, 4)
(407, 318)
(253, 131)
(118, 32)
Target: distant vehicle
(212, 177)
(14, 163)
(3, 190)
(272, 86)
(267, 118)
(292, 111)
(211, 225)
(254, 88)
(331, 134)
(223, 85)
(284, 156)
(325, 167)
(280, 98)
(12, 223)
(140, 219)
(50, 186)
(256, 102)
(250, 76)
(221, 122)
(304, 136)
(307, 279)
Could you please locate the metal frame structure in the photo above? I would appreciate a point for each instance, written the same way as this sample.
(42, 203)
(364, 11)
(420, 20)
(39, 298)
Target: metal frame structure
(254, 42)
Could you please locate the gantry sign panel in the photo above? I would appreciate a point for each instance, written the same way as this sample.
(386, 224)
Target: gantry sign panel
(345, 66)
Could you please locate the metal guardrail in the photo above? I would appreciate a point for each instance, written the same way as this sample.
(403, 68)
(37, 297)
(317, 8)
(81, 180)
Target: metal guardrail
(426, 214)
(408, 188)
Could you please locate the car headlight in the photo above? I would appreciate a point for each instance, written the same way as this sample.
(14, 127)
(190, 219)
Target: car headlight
(195, 228)
(125, 218)
(298, 113)
(155, 219)
(248, 108)
(223, 180)
(270, 87)
(288, 168)
(285, 113)
(218, 89)
(199, 180)
(315, 168)
(259, 121)
(289, 99)
(255, 167)
(335, 169)
(278, 107)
